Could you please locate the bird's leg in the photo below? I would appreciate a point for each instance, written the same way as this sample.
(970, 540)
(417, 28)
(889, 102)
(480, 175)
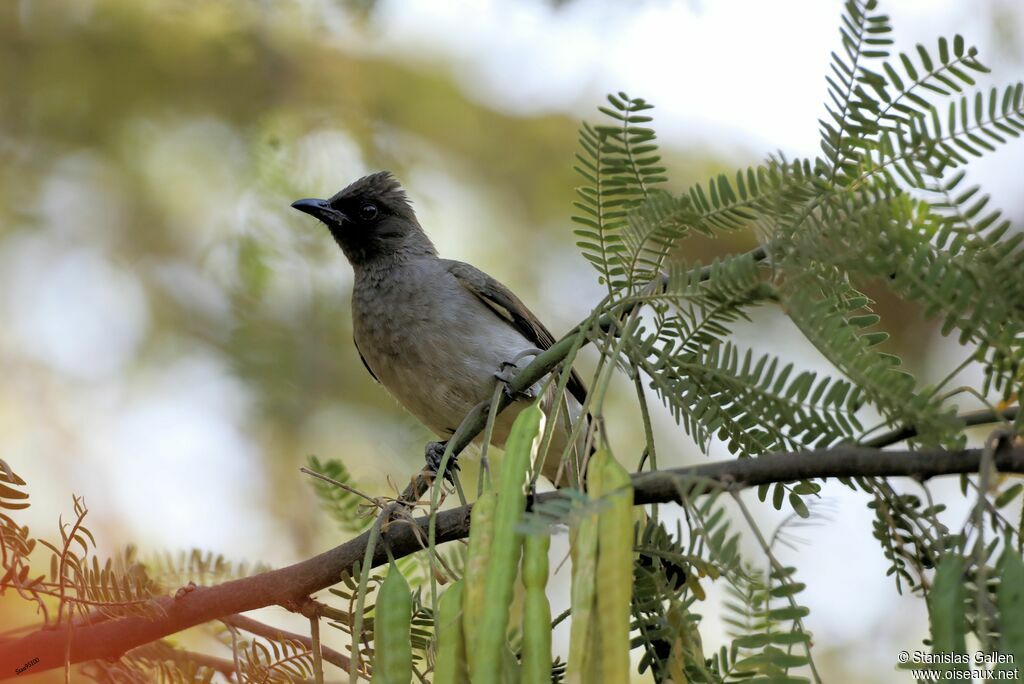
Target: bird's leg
(434, 454)
(507, 371)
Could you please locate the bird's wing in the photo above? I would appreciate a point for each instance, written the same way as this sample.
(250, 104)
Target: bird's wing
(363, 359)
(511, 309)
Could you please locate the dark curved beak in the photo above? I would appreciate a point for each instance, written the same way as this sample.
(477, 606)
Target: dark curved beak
(320, 209)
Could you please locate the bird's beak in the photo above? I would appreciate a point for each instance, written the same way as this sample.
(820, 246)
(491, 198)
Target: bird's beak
(319, 209)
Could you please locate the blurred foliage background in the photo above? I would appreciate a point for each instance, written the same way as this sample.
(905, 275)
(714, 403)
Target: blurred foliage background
(174, 340)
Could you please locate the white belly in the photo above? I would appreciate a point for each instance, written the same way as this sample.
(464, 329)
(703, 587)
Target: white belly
(436, 348)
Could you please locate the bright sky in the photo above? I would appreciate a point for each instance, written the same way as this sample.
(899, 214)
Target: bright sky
(741, 76)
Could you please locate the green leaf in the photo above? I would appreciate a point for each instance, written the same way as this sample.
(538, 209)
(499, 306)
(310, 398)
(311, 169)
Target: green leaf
(1010, 601)
(1009, 495)
(789, 638)
(789, 589)
(946, 607)
(753, 640)
(788, 613)
(799, 507)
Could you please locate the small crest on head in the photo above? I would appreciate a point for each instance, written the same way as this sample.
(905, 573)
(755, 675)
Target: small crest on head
(381, 187)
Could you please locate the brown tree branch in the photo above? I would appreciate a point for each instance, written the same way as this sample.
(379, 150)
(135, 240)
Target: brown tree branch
(293, 585)
(270, 632)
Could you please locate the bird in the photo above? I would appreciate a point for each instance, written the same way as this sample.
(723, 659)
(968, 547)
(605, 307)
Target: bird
(436, 332)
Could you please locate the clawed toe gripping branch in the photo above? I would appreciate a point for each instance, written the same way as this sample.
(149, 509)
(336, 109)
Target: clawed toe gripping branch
(434, 457)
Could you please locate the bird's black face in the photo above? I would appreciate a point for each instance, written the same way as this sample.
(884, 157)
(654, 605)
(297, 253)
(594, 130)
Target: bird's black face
(369, 218)
(356, 215)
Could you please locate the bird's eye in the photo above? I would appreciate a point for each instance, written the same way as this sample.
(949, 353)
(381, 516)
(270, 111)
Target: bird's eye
(368, 211)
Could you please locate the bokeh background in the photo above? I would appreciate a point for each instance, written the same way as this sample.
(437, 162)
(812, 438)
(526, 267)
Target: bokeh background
(175, 341)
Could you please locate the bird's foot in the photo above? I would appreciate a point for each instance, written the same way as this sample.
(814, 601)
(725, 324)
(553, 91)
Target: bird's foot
(508, 371)
(434, 454)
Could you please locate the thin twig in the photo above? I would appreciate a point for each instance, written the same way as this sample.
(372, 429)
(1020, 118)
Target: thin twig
(270, 632)
(316, 647)
(348, 488)
(971, 419)
(782, 575)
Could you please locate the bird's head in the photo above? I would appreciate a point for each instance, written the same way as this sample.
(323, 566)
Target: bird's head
(371, 219)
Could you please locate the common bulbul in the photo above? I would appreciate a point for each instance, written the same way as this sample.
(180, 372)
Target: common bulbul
(434, 332)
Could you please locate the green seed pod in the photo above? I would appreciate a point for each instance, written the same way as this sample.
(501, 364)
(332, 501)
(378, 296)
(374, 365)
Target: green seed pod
(615, 570)
(536, 611)
(506, 545)
(450, 666)
(583, 538)
(510, 669)
(392, 647)
(481, 534)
